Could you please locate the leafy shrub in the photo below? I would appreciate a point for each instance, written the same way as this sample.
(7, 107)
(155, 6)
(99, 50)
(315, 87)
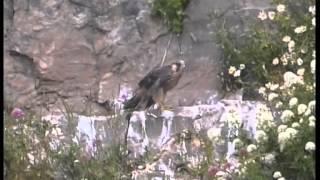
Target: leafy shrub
(281, 64)
(172, 12)
(35, 148)
(249, 63)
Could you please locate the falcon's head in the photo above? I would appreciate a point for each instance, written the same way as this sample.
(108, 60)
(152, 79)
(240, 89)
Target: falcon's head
(178, 67)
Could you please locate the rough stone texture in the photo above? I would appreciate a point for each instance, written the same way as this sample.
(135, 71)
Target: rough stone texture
(83, 51)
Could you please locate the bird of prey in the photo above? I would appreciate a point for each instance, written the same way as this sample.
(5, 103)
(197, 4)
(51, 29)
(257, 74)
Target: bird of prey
(152, 89)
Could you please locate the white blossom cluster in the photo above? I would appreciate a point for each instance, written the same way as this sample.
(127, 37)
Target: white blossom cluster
(251, 148)
(296, 113)
(236, 72)
(260, 136)
(264, 117)
(310, 146)
(277, 175)
(285, 135)
(214, 134)
(268, 158)
(286, 115)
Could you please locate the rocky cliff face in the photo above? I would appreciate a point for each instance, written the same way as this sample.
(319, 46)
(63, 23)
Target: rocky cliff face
(85, 51)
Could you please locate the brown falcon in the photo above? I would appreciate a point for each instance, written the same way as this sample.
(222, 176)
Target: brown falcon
(154, 86)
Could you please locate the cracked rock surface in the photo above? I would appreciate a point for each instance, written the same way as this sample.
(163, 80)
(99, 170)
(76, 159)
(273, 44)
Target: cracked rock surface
(84, 51)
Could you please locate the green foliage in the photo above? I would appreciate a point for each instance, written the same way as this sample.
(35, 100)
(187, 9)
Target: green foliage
(282, 69)
(263, 43)
(38, 149)
(172, 12)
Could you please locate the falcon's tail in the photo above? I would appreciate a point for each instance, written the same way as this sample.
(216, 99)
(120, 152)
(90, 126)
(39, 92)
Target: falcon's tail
(138, 102)
(132, 103)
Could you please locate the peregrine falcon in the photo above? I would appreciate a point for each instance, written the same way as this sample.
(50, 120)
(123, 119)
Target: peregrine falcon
(152, 89)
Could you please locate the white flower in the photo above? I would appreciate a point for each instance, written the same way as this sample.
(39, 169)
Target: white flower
(213, 133)
(302, 108)
(310, 146)
(262, 90)
(290, 78)
(299, 61)
(282, 128)
(286, 39)
(307, 112)
(31, 158)
(300, 29)
(237, 73)
(283, 137)
(275, 61)
(311, 124)
(291, 131)
(291, 45)
(269, 158)
(76, 161)
(272, 96)
(260, 136)
(279, 104)
(301, 120)
(284, 58)
(313, 66)
(277, 174)
(242, 66)
(237, 142)
(274, 87)
(282, 178)
(293, 101)
(264, 117)
(312, 104)
(312, 10)
(271, 15)
(281, 8)
(313, 21)
(314, 54)
(268, 85)
(251, 148)
(232, 69)
(295, 125)
(303, 51)
(262, 15)
(301, 71)
(312, 119)
(309, 87)
(286, 115)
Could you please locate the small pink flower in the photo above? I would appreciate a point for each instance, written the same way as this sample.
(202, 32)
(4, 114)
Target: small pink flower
(226, 166)
(17, 113)
(212, 171)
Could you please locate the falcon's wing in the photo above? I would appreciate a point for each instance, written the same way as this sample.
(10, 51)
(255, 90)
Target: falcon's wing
(156, 77)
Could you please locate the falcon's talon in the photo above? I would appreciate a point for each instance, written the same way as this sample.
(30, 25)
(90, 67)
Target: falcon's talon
(167, 108)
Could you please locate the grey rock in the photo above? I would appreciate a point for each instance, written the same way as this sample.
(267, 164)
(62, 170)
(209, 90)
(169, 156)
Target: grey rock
(70, 45)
